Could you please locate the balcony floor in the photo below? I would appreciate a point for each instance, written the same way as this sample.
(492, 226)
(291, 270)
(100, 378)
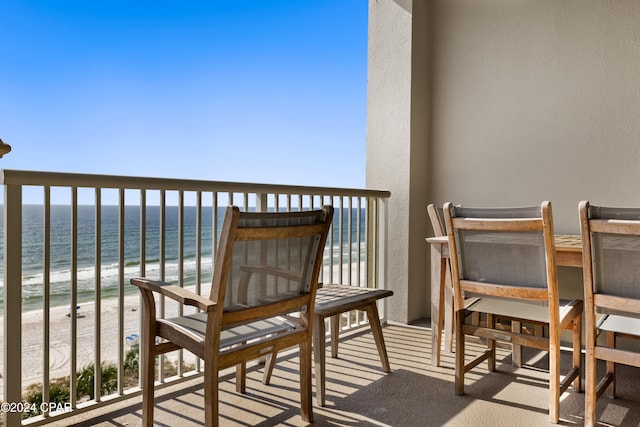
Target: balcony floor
(360, 394)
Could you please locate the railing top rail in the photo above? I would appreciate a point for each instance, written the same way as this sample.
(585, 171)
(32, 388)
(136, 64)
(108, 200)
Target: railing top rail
(63, 179)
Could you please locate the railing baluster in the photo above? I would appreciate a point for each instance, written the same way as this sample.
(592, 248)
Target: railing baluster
(341, 238)
(198, 288)
(163, 223)
(381, 244)
(359, 239)
(143, 262)
(262, 202)
(143, 233)
(12, 300)
(369, 234)
(180, 264)
(46, 293)
(198, 259)
(350, 241)
(214, 225)
(97, 361)
(121, 279)
(349, 266)
(74, 297)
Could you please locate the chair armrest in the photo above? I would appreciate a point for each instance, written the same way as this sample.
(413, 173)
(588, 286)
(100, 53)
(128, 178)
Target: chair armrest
(182, 295)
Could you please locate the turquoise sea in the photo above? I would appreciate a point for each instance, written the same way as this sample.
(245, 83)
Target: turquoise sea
(60, 254)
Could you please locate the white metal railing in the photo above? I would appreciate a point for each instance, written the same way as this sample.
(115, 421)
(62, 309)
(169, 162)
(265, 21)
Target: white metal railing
(74, 240)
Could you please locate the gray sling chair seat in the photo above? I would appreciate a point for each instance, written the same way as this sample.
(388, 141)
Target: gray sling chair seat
(267, 266)
(505, 257)
(611, 269)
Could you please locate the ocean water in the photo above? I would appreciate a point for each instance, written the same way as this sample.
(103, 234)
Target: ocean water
(60, 250)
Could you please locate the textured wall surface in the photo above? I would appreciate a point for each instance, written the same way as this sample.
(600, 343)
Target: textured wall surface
(496, 102)
(536, 100)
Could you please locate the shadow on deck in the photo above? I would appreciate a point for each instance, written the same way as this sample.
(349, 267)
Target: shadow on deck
(360, 394)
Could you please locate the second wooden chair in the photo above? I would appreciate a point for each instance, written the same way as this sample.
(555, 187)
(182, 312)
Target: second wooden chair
(505, 258)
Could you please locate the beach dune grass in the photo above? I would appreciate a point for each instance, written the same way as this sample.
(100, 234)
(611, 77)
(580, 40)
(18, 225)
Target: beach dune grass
(59, 389)
(58, 394)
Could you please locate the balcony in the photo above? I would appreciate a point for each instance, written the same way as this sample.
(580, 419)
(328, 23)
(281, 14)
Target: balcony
(73, 242)
(64, 313)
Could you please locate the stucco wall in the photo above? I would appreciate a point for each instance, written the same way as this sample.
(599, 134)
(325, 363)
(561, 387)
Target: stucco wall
(397, 129)
(536, 100)
(529, 101)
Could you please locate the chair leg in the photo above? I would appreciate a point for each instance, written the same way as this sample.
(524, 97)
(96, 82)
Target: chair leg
(447, 305)
(241, 377)
(516, 350)
(577, 352)
(538, 330)
(611, 366)
(475, 318)
(319, 358)
(376, 330)
(459, 378)
(590, 396)
(148, 373)
(269, 364)
(210, 393)
(491, 344)
(306, 404)
(335, 334)
(590, 386)
(438, 269)
(147, 357)
(554, 377)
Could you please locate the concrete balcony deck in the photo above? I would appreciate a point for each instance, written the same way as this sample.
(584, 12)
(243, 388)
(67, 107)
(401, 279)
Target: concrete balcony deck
(360, 394)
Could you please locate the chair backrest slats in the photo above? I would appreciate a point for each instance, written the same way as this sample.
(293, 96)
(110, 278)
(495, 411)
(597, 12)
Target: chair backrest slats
(501, 291)
(436, 216)
(273, 263)
(501, 246)
(612, 252)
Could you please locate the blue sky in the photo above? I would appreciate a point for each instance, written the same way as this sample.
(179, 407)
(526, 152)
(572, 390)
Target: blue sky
(250, 91)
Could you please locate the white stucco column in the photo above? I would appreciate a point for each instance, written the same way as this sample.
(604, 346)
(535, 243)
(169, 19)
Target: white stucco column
(397, 143)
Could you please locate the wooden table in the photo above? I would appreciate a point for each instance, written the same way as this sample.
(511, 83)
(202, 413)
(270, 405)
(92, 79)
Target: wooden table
(568, 253)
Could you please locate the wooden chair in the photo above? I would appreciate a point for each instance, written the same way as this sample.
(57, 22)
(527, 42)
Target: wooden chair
(266, 267)
(611, 249)
(505, 258)
(436, 217)
(446, 314)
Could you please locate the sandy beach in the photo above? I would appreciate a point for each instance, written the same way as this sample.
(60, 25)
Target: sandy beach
(60, 337)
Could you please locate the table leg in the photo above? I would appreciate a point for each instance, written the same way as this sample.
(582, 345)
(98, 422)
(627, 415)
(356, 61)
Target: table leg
(438, 264)
(447, 294)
